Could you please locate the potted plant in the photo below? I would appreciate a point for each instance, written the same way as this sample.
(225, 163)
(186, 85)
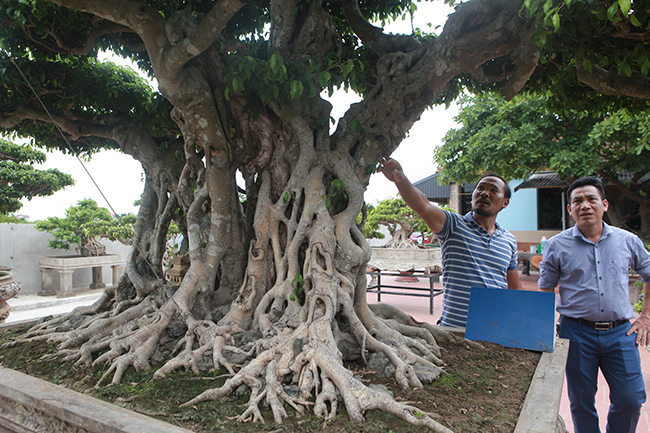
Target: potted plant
(9, 287)
(84, 225)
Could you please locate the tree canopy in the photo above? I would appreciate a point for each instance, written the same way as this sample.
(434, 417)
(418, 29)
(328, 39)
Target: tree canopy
(240, 87)
(19, 179)
(526, 135)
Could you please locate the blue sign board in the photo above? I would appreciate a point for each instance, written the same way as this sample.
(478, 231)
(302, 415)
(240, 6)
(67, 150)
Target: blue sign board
(512, 318)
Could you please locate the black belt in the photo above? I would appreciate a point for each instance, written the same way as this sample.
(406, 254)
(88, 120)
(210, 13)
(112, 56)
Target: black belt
(600, 326)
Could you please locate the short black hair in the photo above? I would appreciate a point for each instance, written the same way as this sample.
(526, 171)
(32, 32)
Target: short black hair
(587, 181)
(506, 191)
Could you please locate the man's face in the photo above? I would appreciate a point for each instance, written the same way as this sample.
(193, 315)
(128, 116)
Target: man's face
(587, 207)
(488, 197)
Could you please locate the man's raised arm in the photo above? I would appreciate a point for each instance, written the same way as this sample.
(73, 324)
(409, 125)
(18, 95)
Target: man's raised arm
(413, 197)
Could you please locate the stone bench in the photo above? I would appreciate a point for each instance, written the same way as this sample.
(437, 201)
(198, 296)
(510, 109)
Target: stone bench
(66, 266)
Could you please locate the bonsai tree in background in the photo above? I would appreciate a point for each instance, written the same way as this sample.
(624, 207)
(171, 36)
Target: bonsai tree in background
(84, 225)
(19, 179)
(400, 220)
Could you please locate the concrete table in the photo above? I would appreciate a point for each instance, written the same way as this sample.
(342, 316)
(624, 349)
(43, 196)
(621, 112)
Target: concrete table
(66, 266)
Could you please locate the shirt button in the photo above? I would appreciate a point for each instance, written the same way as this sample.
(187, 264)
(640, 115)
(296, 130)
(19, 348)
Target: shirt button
(600, 278)
(602, 294)
(598, 262)
(602, 311)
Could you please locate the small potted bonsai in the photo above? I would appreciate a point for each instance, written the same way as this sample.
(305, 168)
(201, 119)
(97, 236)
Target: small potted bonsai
(84, 225)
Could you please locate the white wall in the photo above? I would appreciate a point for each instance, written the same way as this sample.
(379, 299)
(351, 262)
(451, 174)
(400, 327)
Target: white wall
(21, 245)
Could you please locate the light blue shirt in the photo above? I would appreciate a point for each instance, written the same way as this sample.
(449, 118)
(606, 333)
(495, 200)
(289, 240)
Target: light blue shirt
(471, 257)
(594, 277)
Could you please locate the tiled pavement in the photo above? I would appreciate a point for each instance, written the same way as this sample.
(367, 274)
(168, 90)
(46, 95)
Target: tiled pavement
(419, 309)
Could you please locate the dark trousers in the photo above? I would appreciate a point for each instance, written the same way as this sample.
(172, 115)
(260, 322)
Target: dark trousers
(617, 356)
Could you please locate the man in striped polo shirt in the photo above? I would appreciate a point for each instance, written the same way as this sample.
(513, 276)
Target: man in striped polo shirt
(476, 251)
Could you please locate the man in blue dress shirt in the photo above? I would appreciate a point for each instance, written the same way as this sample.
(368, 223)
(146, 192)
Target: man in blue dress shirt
(591, 261)
(476, 250)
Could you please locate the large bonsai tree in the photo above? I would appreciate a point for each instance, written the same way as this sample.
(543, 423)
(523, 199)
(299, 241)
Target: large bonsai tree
(240, 87)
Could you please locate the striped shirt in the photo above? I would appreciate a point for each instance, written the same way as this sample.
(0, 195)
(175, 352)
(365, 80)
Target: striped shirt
(471, 257)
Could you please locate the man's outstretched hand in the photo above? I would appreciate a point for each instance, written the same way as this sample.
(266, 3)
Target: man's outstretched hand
(392, 170)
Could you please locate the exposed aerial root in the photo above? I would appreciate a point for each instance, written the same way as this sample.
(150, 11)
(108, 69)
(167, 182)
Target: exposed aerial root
(209, 336)
(310, 357)
(390, 312)
(387, 311)
(100, 308)
(317, 370)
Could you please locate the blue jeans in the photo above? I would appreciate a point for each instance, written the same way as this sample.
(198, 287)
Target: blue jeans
(617, 355)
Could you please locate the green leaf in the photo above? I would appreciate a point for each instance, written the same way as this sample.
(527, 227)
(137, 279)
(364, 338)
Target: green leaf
(274, 61)
(324, 78)
(292, 297)
(625, 68)
(568, 3)
(556, 21)
(611, 11)
(296, 89)
(645, 68)
(286, 196)
(586, 65)
(634, 20)
(625, 6)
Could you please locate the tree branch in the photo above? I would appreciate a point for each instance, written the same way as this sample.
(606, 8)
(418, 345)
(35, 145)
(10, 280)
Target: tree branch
(525, 58)
(204, 35)
(374, 37)
(625, 191)
(96, 30)
(611, 83)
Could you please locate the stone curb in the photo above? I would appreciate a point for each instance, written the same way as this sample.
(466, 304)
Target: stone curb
(540, 413)
(28, 404)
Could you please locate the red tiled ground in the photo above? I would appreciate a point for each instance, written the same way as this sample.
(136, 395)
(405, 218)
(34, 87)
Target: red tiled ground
(419, 309)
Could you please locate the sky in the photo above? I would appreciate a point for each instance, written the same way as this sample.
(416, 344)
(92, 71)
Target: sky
(121, 180)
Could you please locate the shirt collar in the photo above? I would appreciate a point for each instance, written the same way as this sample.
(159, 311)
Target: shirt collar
(470, 219)
(607, 230)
